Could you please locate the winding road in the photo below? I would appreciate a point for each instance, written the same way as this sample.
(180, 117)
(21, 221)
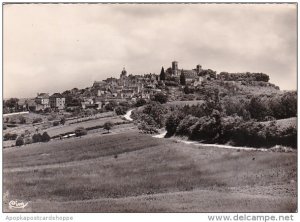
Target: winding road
(128, 114)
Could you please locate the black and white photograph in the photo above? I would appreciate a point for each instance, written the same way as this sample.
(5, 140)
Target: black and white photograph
(149, 108)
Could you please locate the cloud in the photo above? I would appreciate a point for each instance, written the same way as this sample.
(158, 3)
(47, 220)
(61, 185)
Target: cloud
(60, 46)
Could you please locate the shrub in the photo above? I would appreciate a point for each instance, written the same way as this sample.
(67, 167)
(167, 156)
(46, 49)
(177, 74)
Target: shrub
(108, 126)
(147, 119)
(125, 104)
(27, 140)
(110, 106)
(55, 123)
(22, 119)
(140, 102)
(80, 131)
(188, 90)
(47, 110)
(19, 141)
(120, 110)
(160, 97)
(258, 108)
(37, 138)
(63, 120)
(157, 112)
(45, 137)
(206, 128)
(288, 137)
(289, 102)
(233, 105)
(10, 136)
(184, 128)
(228, 125)
(11, 125)
(171, 83)
(247, 76)
(172, 122)
(37, 120)
(145, 128)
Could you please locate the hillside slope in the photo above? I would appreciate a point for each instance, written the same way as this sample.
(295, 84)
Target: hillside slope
(131, 172)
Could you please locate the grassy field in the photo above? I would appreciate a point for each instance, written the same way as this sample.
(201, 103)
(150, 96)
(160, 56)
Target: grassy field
(132, 172)
(283, 123)
(61, 129)
(70, 126)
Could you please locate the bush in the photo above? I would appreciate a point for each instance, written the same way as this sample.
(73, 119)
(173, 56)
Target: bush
(188, 90)
(125, 104)
(140, 102)
(22, 119)
(110, 106)
(10, 136)
(184, 128)
(171, 83)
(147, 119)
(157, 112)
(120, 110)
(235, 106)
(160, 97)
(206, 128)
(247, 76)
(80, 131)
(63, 121)
(258, 108)
(108, 126)
(11, 125)
(289, 102)
(45, 137)
(55, 123)
(37, 120)
(37, 138)
(172, 122)
(27, 140)
(19, 141)
(145, 128)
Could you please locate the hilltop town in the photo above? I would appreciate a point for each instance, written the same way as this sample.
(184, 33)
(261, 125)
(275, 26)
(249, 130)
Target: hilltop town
(174, 82)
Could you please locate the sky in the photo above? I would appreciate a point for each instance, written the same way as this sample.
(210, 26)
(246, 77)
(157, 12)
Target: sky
(54, 47)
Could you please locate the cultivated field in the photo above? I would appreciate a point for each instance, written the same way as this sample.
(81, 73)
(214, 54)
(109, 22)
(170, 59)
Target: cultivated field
(183, 103)
(54, 131)
(132, 172)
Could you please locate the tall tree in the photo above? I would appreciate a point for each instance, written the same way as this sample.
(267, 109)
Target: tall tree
(182, 79)
(162, 74)
(12, 102)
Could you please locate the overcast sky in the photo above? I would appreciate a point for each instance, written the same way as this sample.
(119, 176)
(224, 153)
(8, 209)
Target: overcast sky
(52, 48)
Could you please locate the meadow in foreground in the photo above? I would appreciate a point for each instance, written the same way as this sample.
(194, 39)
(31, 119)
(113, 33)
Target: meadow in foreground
(131, 172)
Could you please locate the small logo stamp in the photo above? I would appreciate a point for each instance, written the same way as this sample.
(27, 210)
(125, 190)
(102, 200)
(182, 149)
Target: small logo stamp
(18, 204)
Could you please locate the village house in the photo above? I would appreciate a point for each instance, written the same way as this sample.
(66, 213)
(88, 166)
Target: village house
(87, 103)
(22, 104)
(57, 101)
(42, 101)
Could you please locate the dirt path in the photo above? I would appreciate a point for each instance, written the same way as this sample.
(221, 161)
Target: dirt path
(164, 132)
(128, 114)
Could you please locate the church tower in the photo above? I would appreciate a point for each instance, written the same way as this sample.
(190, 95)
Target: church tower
(198, 69)
(175, 68)
(123, 73)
